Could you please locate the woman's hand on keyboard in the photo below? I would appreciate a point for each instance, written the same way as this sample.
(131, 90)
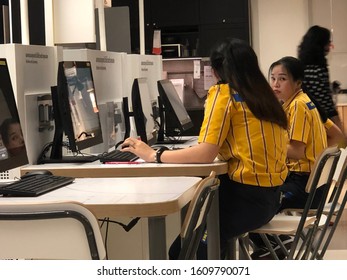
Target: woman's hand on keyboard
(139, 148)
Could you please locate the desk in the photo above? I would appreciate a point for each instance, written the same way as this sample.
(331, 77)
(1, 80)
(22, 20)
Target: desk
(96, 169)
(150, 197)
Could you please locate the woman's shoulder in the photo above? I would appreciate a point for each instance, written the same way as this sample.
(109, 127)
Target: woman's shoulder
(219, 89)
(300, 100)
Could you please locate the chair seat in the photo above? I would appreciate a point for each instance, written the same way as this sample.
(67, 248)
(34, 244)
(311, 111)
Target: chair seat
(283, 224)
(327, 208)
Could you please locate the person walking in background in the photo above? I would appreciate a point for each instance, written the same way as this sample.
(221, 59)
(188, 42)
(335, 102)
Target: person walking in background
(245, 125)
(312, 52)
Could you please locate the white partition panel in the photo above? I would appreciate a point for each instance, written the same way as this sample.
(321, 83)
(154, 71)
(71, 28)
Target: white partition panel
(74, 21)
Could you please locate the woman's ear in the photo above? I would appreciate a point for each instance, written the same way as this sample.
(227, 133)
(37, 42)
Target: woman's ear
(298, 85)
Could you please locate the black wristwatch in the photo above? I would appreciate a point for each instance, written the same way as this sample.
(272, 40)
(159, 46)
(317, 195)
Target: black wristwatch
(159, 152)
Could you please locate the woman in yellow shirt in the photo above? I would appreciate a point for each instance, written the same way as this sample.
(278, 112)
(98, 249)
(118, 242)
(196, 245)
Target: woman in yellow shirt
(309, 133)
(245, 125)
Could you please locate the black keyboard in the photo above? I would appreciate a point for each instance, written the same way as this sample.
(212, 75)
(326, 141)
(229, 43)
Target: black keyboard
(35, 185)
(118, 156)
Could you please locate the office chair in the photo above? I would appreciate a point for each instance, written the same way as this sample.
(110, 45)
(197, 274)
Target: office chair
(195, 220)
(64, 230)
(303, 226)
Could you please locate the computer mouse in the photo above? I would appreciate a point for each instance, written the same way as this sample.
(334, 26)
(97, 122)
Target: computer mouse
(36, 172)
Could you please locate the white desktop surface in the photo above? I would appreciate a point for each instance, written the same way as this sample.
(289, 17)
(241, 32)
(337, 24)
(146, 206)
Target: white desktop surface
(138, 197)
(122, 196)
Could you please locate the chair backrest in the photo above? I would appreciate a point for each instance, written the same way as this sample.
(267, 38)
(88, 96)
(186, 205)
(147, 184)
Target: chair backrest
(340, 164)
(334, 208)
(195, 220)
(64, 230)
(337, 174)
(322, 174)
(324, 168)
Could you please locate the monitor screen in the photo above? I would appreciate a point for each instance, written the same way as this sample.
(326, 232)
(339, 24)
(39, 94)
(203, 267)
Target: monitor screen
(142, 111)
(75, 108)
(176, 118)
(107, 112)
(12, 146)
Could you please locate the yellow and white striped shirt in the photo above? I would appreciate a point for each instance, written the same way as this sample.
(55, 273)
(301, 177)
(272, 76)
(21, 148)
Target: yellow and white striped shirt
(255, 150)
(305, 125)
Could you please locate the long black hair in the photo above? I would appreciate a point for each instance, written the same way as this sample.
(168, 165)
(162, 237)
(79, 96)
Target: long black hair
(236, 62)
(295, 69)
(312, 49)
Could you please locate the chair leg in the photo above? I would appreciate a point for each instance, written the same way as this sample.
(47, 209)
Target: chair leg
(269, 246)
(231, 250)
(242, 242)
(280, 243)
(244, 247)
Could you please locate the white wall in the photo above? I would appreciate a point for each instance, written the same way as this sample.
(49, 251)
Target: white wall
(73, 21)
(277, 28)
(332, 15)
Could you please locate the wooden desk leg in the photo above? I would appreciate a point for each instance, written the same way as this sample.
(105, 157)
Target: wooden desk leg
(157, 238)
(213, 238)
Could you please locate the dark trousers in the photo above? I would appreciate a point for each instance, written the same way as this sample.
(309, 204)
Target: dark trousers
(242, 208)
(294, 194)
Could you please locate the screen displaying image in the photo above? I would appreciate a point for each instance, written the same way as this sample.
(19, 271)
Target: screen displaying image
(12, 145)
(82, 100)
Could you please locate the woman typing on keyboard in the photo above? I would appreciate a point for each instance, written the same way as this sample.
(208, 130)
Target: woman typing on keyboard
(245, 125)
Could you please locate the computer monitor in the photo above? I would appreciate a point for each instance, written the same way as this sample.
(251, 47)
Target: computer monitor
(140, 116)
(75, 110)
(142, 111)
(12, 146)
(174, 118)
(108, 125)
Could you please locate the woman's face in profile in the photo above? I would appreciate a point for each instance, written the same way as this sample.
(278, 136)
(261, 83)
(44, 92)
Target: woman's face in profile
(328, 47)
(15, 138)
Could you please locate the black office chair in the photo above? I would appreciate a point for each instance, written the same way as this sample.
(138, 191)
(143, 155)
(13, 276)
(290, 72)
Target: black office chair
(195, 220)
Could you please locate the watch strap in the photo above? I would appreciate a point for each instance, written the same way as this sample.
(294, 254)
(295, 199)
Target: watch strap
(159, 153)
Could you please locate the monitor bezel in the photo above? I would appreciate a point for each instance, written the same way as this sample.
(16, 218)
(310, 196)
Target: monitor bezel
(7, 90)
(176, 126)
(62, 114)
(141, 120)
